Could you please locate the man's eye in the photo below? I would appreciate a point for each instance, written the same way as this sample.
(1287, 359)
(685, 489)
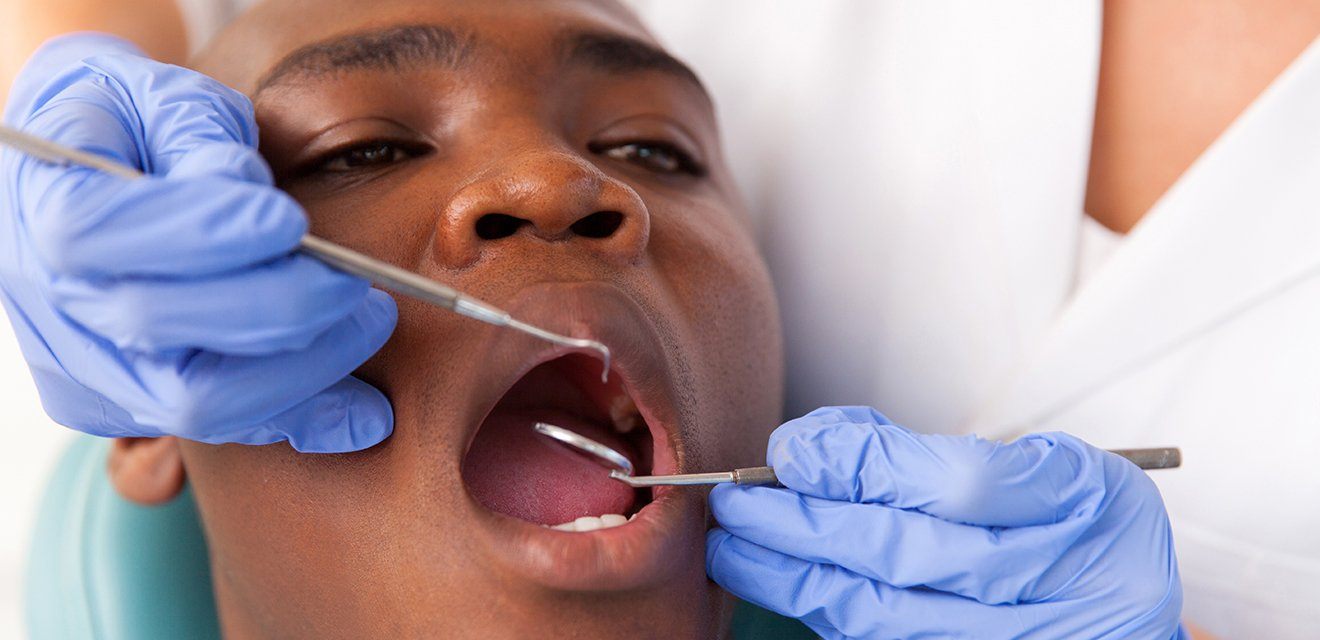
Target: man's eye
(364, 156)
(660, 157)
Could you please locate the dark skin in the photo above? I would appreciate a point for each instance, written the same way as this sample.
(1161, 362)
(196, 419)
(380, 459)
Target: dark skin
(481, 174)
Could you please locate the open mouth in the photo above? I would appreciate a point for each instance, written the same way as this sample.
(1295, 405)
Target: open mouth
(512, 470)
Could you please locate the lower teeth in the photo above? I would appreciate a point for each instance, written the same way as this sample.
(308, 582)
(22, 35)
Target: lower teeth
(592, 523)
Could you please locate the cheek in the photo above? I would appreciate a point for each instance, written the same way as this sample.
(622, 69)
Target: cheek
(712, 268)
(269, 493)
(390, 218)
(279, 523)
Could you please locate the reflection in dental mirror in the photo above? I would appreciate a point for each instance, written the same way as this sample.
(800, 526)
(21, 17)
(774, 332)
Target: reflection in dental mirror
(611, 459)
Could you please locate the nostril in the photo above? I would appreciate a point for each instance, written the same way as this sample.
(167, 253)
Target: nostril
(494, 226)
(601, 224)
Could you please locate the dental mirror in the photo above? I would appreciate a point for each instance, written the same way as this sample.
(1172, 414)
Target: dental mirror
(609, 458)
(621, 468)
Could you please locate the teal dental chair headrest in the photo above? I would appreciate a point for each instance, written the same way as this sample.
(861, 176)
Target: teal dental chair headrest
(103, 568)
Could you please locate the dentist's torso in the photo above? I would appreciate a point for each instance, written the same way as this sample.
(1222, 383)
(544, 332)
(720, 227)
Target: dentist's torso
(917, 173)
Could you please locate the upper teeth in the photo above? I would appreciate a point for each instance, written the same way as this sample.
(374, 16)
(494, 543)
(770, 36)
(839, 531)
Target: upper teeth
(592, 523)
(623, 413)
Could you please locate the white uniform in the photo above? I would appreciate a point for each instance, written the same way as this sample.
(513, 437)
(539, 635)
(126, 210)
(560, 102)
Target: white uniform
(917, 172)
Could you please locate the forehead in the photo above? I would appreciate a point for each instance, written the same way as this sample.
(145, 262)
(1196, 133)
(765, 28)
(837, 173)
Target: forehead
(255, 44)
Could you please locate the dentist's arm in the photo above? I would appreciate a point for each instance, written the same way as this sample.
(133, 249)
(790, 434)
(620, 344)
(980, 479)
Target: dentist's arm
(883, 533)
(173, 305)
(155, 26)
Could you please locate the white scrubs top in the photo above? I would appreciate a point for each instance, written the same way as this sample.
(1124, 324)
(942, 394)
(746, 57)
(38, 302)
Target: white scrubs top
(916, 171)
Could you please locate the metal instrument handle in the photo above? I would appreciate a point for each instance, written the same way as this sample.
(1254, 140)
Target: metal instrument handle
(1156, 458)
(756, 476)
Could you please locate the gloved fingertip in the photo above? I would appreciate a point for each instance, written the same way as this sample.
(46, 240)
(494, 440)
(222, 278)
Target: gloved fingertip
(805, 435)
(841, 453)
(370, 418)
(371, 423)
(721, 491)
(343, 438)
(384, 307)
(726, 498)
(350, 416)
(714, 539)
(328, 295)
(231, 160)
(377, 316)
(747, 509)
(272, 217)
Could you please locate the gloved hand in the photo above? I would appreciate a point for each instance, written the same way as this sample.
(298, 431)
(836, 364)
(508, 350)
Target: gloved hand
(883, 533)
(171, 305)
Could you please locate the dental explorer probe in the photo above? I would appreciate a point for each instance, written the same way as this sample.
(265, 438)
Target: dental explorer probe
(379, 273)
(621, 468)
(1157, 458)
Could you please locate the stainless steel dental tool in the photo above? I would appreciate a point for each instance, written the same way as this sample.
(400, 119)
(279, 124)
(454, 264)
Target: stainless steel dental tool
(609, 457)
(342, 258)
(621, 468)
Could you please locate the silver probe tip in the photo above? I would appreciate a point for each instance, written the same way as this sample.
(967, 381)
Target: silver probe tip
(565, 341)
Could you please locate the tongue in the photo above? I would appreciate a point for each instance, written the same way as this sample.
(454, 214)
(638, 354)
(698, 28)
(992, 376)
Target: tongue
(513, 470)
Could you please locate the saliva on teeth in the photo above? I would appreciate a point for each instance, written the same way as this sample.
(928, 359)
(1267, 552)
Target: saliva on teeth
(592, 523)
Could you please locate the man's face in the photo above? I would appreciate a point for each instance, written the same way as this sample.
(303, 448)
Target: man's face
(547, 158)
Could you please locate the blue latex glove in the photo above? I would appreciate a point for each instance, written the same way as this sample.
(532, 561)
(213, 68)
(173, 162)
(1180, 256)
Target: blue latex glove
(883, 533)
(172, 305)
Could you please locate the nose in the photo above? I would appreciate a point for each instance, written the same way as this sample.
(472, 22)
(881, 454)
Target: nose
(551, 197)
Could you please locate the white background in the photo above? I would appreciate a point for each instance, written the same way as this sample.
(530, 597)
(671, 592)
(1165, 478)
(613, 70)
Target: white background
(31, 445)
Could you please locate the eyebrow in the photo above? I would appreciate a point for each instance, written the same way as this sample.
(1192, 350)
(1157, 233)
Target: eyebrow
(389, 49)
(618, 54)
(395, 48)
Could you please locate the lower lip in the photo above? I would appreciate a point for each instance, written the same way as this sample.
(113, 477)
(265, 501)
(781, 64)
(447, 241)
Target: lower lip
(643, 552)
